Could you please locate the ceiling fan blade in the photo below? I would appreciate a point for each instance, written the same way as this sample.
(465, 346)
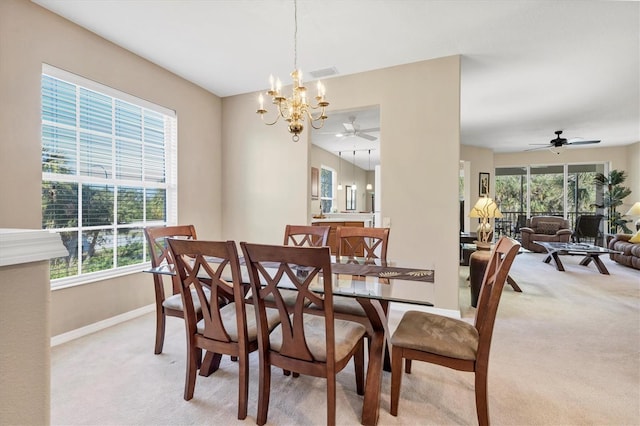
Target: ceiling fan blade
(372, 129)
(581, 142)
(349, 127)
(366, 136)
(538, 148)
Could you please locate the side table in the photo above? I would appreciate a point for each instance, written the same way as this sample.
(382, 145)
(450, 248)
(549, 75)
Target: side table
(477, 266)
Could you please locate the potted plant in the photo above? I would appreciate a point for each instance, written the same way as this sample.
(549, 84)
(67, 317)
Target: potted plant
(612, 198)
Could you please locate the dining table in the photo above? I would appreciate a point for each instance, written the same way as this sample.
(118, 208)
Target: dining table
(374, 284)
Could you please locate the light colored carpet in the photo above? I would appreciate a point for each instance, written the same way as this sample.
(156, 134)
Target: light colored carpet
(566, 351)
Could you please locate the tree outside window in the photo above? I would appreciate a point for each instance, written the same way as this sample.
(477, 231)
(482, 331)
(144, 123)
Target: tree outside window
(327, 179)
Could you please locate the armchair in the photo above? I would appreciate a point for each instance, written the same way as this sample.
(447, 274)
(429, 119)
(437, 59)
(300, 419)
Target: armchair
(545, 228)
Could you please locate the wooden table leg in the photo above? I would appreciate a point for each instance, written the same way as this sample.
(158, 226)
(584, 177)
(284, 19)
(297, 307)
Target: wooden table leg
(596, 260)
(386, 366)
(373, 384)
(210, 364)
(556, 258)
(514, 285)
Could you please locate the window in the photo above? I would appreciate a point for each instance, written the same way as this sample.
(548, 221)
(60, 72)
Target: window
(108, 170)
(350, 197)
(566, 190)
(327, 178)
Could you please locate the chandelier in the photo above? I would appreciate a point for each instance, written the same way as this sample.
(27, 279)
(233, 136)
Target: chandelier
(296, 108)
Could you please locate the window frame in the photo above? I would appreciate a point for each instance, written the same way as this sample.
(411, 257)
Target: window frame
(114, 179)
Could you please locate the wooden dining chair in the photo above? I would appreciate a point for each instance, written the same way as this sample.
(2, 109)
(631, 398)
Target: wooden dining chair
(313, 345)
(159, 252)
(368, 244)
(452, 342)
(225, 328)
(306, 236)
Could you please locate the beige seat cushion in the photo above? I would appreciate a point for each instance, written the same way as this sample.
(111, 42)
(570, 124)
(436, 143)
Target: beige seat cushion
(344, 305)
(175, 301)
(288, 296)
(436, 334)
(228, 315)
(347, 334)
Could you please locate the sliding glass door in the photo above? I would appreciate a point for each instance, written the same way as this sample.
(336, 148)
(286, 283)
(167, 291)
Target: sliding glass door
(582, 193)
(547, 191)
(566, 190)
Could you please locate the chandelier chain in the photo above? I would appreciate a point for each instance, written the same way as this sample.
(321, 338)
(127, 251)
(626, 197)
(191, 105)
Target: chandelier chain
(296, 109)
(295, 34)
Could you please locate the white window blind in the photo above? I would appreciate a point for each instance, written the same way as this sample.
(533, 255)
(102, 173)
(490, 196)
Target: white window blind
(108, 170)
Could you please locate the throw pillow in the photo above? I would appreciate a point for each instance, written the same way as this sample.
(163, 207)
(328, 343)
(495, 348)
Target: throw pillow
(635, 238)
(548, 228)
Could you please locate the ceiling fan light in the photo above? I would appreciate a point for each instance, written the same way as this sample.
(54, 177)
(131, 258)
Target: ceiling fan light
(557, 149)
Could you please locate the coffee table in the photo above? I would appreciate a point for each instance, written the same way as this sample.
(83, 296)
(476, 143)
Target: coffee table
(590, 252)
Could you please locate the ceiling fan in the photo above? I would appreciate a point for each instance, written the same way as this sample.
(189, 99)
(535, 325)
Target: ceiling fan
(560, 142)
(351, 129)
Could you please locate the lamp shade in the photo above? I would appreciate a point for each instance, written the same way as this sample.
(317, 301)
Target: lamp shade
(634, 210)
(485, 208)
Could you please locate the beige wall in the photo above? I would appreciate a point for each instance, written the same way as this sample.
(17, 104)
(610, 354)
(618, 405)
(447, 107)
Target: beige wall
(633, 172)
(419, 112)
(481, 161)
(31, 35)
(24, 354)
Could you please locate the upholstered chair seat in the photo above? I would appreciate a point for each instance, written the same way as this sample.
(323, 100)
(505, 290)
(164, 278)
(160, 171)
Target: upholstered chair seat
(175, 302)
(437, 334)
(347, 335)
(348, 305)
(289, 298)
(228, 317)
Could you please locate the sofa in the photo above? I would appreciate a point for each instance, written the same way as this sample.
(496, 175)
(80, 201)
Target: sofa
(630, 255)
(551, 229)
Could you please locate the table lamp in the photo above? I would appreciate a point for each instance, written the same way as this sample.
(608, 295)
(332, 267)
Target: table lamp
(635, 211)
(485, 209)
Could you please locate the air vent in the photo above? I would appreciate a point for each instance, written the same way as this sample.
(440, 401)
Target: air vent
(326, 72)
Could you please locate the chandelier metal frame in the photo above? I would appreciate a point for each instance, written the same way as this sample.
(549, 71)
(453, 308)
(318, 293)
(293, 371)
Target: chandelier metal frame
(295, 109)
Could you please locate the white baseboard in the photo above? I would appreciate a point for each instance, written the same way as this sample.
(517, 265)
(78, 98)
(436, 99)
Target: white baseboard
(100, 325)
(403, 307)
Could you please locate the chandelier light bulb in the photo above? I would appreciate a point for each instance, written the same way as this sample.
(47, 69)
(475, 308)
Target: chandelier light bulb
(295, 109)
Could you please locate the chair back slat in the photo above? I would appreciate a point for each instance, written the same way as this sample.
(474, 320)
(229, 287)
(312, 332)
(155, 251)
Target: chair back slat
(362, 241)
(159, 250)
(306, 236)
(273, 268)
(214, 266)
(156, 240)
(502, 256)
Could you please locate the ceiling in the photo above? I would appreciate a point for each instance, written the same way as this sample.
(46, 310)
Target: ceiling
(528, 67)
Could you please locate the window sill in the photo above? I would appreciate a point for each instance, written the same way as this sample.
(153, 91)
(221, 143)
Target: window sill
(63, 283)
